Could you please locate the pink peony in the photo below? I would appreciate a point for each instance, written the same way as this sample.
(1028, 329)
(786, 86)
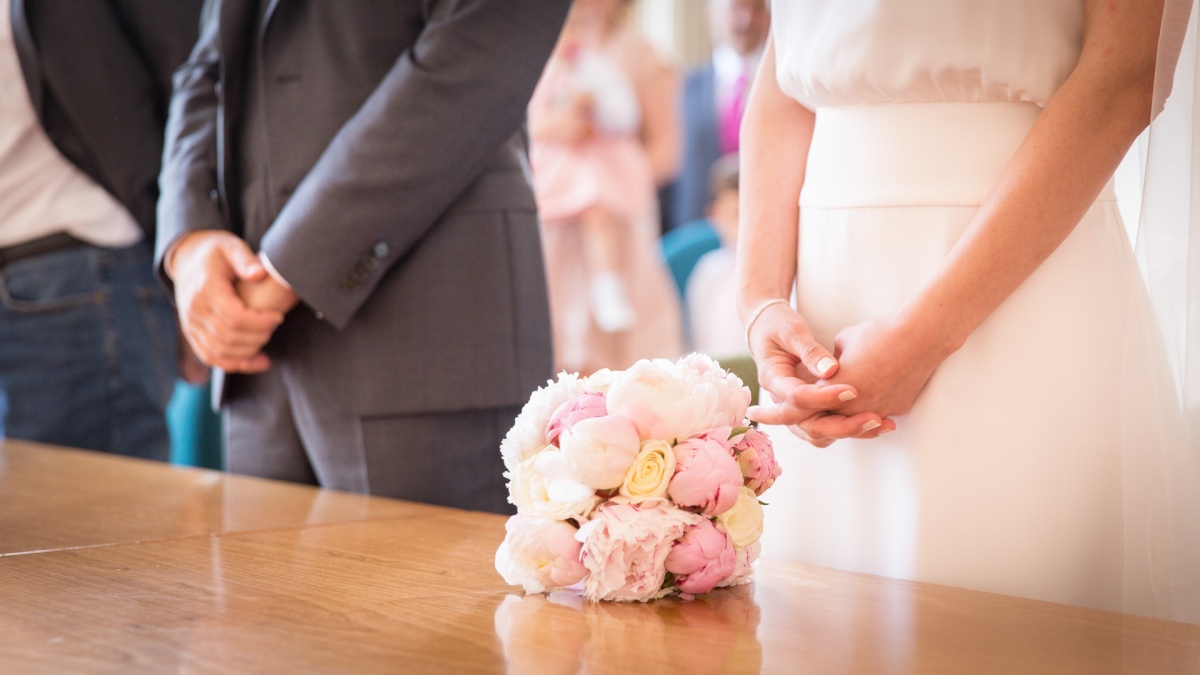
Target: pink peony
(582, 407)
(624, 546)
(539, 554)
(707, 477)
(701, 559)
(756, 457)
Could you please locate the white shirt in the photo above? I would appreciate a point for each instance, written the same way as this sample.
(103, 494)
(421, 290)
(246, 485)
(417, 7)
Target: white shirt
(728, 66)
(41, 192)
(712, 304)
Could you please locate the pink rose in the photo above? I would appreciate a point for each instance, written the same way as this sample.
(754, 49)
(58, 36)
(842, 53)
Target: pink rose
(539, 554)
(567, 415)
(707, 477)
(624, 546)
(756, 457)
(701, 559)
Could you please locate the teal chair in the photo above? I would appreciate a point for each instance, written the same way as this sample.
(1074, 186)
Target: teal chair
(683, 247)
(196, 437)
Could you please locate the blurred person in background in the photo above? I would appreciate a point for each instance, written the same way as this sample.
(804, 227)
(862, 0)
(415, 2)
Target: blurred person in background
(714, 97)
(604, 135)
(711, 291)
(87, 338)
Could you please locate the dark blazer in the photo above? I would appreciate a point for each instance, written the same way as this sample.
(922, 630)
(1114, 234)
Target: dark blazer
(701, 146)
(402, 212)
(99, 75)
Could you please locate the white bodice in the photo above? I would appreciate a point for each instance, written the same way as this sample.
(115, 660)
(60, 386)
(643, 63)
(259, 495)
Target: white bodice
(880, 51)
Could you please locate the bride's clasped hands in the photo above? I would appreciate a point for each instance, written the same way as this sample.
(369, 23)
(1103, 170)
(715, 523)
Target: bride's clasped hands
(875, 371)
(811, 393)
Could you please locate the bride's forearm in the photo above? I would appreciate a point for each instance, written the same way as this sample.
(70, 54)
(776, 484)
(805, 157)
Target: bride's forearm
(776, 132)
(1054, 177)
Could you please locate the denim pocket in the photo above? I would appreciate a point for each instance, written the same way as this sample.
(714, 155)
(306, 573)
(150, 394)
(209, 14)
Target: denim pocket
(51, 282)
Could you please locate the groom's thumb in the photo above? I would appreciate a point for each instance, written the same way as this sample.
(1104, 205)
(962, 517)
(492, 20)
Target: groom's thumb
(245, 263)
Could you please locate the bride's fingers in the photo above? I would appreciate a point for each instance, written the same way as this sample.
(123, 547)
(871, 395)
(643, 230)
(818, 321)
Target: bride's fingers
(821, 397)
(801, 403)
(779, 413)
(833, 427)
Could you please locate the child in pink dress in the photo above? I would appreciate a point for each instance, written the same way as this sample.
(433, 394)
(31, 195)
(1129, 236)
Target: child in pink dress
(611, 301)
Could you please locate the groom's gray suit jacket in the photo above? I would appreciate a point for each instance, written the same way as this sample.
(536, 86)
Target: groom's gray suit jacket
(395, 186)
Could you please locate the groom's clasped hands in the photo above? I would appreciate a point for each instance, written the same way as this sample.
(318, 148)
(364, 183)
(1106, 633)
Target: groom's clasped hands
(229, 305)
(875, 371)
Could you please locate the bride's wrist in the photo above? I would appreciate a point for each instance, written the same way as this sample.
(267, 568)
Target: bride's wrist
(937, 332)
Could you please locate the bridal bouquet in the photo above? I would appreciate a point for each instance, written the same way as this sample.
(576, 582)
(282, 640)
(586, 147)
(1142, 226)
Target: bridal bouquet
(636, 484)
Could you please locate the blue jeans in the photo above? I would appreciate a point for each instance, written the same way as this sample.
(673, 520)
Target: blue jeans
(87, 351)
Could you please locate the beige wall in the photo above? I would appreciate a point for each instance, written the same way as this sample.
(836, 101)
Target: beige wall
(678, 27)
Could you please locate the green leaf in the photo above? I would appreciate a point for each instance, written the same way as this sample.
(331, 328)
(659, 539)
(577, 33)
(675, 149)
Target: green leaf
(737, 431)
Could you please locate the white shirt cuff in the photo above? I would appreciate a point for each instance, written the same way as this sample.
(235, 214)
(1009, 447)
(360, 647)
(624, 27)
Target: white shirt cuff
(266, 262)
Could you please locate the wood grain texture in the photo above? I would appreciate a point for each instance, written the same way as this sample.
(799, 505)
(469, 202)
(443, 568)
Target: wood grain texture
(52, 498)
(415, 592)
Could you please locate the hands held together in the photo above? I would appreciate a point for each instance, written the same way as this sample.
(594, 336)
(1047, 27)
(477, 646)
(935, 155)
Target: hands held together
(875, 371)
(229, 306)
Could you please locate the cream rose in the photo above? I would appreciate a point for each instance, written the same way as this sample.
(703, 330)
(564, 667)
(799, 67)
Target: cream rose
(650, 473)
(743, 522)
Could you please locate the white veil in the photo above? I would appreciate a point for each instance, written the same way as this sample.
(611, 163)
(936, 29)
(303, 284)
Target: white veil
(1162, 461)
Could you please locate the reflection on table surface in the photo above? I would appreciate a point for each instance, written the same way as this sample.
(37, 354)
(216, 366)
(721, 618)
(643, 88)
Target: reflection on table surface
(116, 565)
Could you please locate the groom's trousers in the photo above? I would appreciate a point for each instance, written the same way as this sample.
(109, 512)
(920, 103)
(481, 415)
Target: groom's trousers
(277, 428)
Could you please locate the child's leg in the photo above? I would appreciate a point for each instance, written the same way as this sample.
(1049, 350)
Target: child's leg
(601, 244)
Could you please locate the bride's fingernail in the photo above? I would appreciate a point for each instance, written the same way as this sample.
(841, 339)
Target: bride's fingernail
(871, 425)
(825, 365)
(847, 396)
(885, 431)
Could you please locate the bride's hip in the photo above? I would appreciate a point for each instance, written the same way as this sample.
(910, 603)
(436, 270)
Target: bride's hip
(912, 154)
(855, 264)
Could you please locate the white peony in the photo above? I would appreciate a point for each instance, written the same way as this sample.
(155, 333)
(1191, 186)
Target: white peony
(546, 485)
(527, 437)
(602, 449)
(743, 566)
(733, 396)
(600, 381)
(661, 404)
(539, 554)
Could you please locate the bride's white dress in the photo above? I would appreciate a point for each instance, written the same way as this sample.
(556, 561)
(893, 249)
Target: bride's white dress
(1007, 476)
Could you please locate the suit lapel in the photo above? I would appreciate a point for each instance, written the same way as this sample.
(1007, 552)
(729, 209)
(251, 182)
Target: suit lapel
(27, 55)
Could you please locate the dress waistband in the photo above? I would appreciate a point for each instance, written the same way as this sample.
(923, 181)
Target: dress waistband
(913, 154)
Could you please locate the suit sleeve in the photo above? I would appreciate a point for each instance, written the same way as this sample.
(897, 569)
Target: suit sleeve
(442, 111)
(188, 183)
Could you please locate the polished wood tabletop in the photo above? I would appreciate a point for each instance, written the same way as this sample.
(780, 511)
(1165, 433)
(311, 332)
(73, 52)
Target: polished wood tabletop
(124, 566)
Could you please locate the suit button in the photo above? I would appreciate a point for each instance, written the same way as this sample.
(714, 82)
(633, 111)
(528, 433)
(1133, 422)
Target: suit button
(214, 195)
(218, 88)
(381, 250)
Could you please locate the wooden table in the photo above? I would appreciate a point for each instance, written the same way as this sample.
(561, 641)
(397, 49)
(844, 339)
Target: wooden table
(118, 565)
